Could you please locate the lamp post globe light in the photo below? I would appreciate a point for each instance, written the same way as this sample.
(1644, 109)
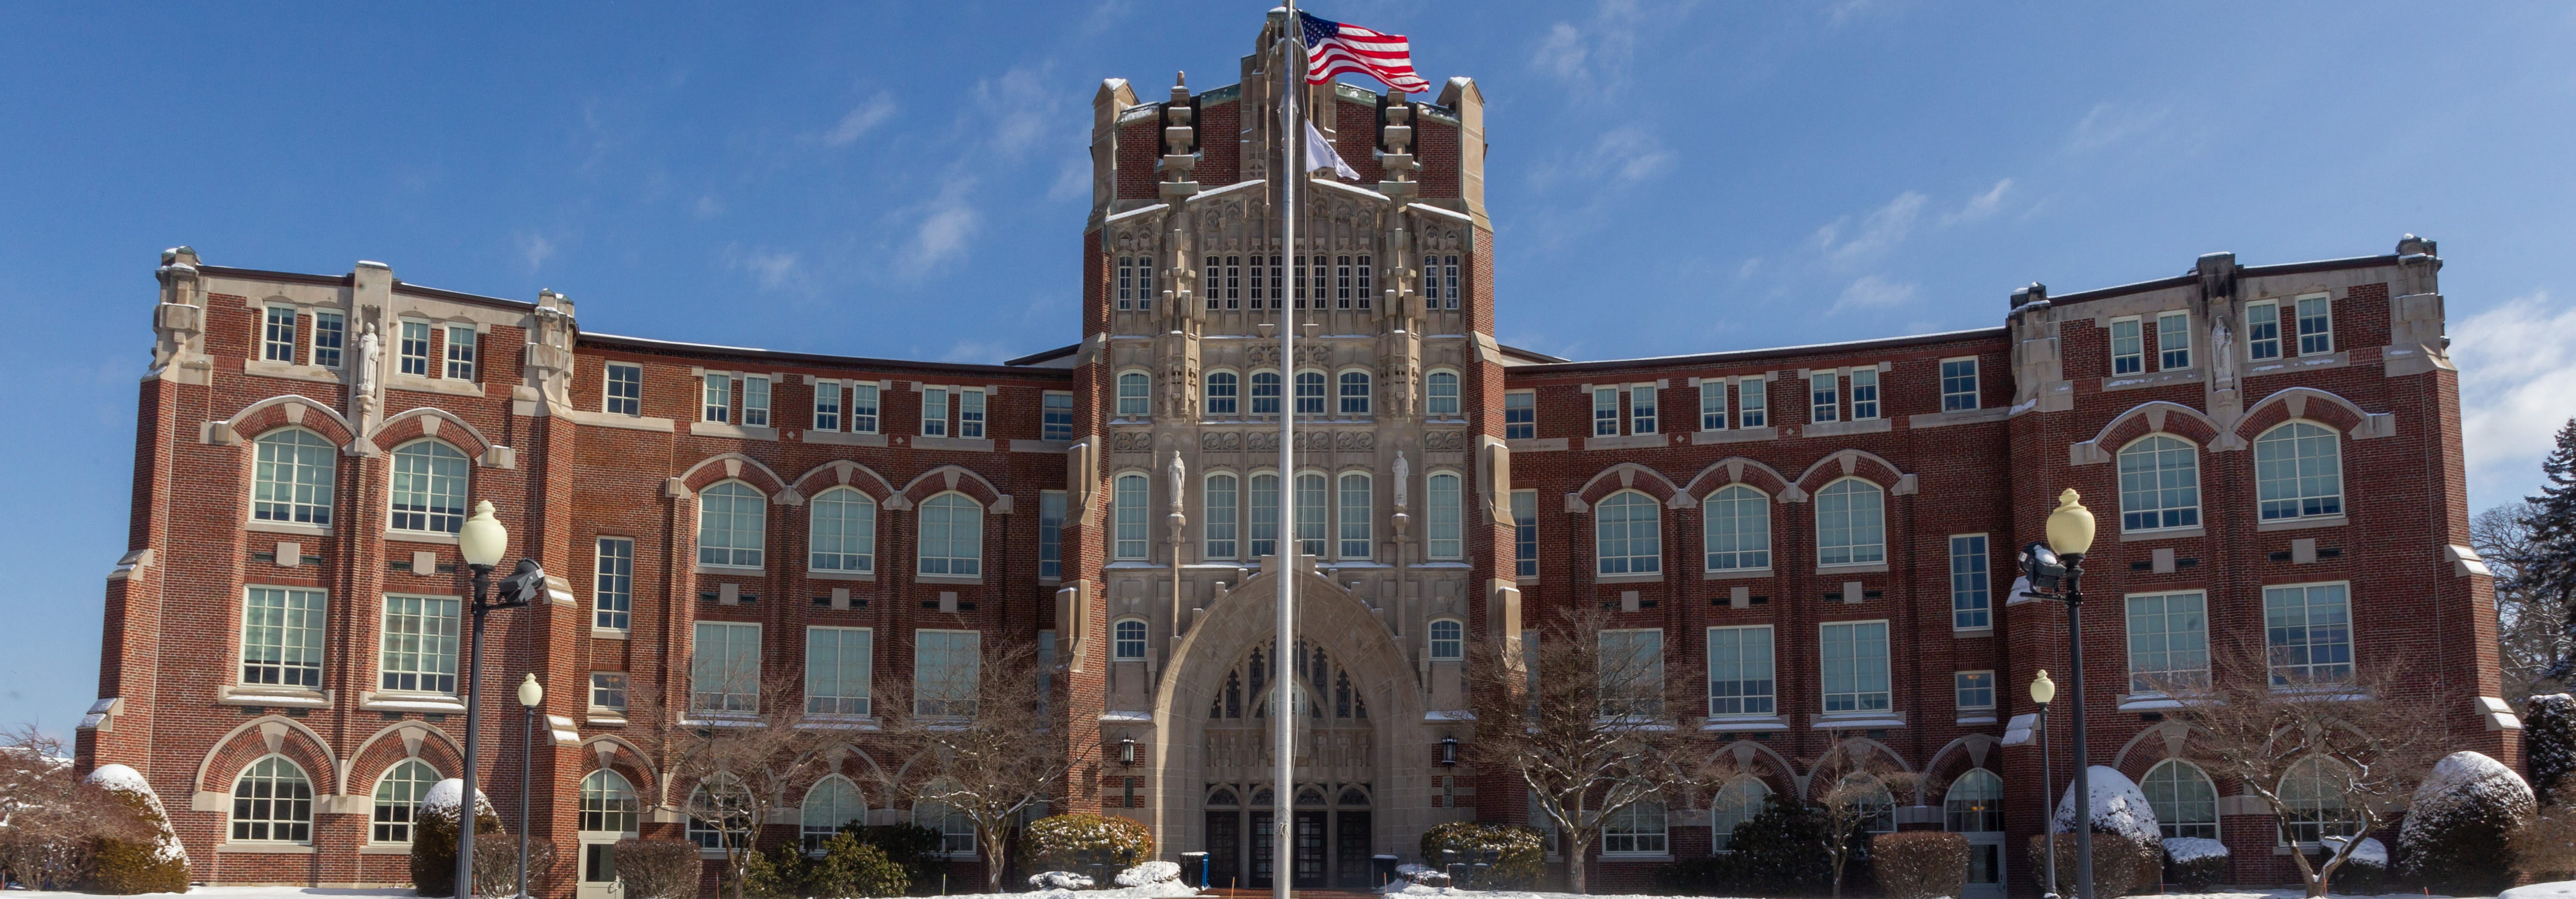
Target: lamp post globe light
(482, 541)
(2056, 568)
(531, 696)
(2042, 691)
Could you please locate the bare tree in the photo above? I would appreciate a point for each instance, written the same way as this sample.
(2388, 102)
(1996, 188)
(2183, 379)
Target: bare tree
(736, 743)
(981, 742)
(1591, 726)
(2531, 620)
(2327, 746)
(49, 818)
(1858, 795)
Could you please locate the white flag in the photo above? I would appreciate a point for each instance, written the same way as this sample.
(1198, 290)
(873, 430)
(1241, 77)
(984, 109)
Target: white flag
(1319, 152)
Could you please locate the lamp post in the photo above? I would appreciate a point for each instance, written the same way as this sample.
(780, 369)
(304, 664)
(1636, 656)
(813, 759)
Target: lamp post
(481, 541)
(2057, 568)
(2042, 690)
(531, 695)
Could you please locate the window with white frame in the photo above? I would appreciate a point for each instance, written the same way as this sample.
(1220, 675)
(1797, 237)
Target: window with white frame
(1641, 409)
(1263, 512)
(1128, 640)
(956, 831)
(624, 390)
(330, 338)
(827, 405)
(1525, 533)
(277, 335)
(1627, 534)
(1630, 673)
(398, 793)
(1741, 680)
(1358, 517)
(952, 536)
(730, 804)
(293, 477)
(1958, 384)
(1265, 393)
(1314, 499)
(2128, 348)
(2316, 324)
(608, 803)
(1851, 523)
(732, 525)
(1973, 691)
(2262, 331)
(1448, 640)
(608, 691)
(1824, 397)
(1854, 669)
(934, 411)
(2159, 484)
(2314, 790)
(1441, 394)
(613, 586)
(837, 662)
(272, 803)
(1050, 534)
(1135, 283)
(1875, 806)
(1737, 519)
(1974, 803)
(461, 347)
(2173, 341)
(1135, 394)
(970, 413)
(716, 403)
(1520, 415)
(2168, 641)
(1605, 412)
(2298, 472)
(1864, 394)
(419, 644)
(863, 407)
(1636, 829)
(1752, 404)
(1712, 405)
(1129, 504)
(1218, 504)
(843, 525)
(1440, 277)
(1443, 524)
(946, 671)
(1972, 600)
(1355, 393)
(2308, 632)
(429, 488)
(1056, 416)
(755, 401)
(831, 805)
(1734, 804)
(724, 668)
(1224, 393)
(2184, 798)
(412, 350)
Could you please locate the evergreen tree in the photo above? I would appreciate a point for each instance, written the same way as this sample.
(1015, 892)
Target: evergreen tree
(2549, 742)
(2551, 570)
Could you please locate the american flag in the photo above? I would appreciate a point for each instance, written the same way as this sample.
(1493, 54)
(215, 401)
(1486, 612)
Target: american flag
(1333, 48)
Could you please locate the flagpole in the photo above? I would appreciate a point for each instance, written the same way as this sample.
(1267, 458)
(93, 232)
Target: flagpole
(1292, 65)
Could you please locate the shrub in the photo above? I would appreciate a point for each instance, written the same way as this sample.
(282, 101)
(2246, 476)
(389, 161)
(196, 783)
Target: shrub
(1919, 864)
(659, 869)
(496, 867)
(1694, 876)
(1082, 842)
(2364, 874)
(2122, 866)
(1780, 851)
(850, 868)
(776, 874)
(1519, 852)
(2195, 864)
(1150, 873)
(910, 846)
(2546, 847)
(2549, 741)
(154, 864)
(434, 832)
(2467, 807)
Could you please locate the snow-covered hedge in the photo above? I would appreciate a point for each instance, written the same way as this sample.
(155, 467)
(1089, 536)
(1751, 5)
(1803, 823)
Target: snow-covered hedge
(1519, 852)
(1420, 875)
(2365, 873)
(2195, 863)
(1149, 873)
(2465, 809)
(1067, 842)
(1059, 880)
(433, 835)
(2118, 807)
(155, 865)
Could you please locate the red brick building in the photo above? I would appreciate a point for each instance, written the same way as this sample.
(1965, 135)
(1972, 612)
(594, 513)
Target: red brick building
(1822, 533)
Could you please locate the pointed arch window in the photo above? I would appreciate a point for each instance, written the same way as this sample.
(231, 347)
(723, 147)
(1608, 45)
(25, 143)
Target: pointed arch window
(2314, 789)
(732, 524)
(2298, 472)
(1626, 527)
(272, 803)
(398, 794)
(1734, 804)
(607, 803)
(952, 536)
(429, 488)
(832, 804)
(2159, 484)
(1738, 524)
(844, 531)
(293, 478)
(1851, 523)
(2185, 799)
(1974, 803)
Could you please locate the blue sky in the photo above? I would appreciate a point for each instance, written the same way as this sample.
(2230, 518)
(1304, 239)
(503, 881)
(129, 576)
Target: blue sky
(910, 180)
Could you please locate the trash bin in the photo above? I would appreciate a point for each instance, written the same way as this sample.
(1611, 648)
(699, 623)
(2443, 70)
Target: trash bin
(1195, 863)
(1384, 865)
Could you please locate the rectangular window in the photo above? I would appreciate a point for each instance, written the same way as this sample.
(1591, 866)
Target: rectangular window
(1129, 507)
(1975, 690)
(717, 405)
(1219, 519)
(330, 337)
(1712, 405)
(1253, 288)
(1525, 533)
(2168, 641)
(1864, 389)
(2316, 325)
(2263, 331)
(1057, 416)
(419, 644)
(1314, 498)
(1212, 282)
(1641, 409)
(1855, 666)
(282, 636)
(1971, 588)
(934, 411)
(1126, 283)
(625, 389)
(2128, 350)
(277, 335)
(1342, 282)
(1442, 524)
(1739, 671)
(1263, 514)
(836, 669)
(1752, 404)
(414, 348)
(1635, 829)
(970, 413)
(1357, 517)
(1605, 412)
(724, 668)
(827, 405)
(2173, 341)
(2308, 631)
(755, 401)
(1824, 397)
(1265, 393)
(863, 407)
(946, 668)
(1366, 291)
(607, 691)
(613, 594)
(1520, 415)
(1631, 672)
(1958, 385)
(1050, 534)
(461, 345)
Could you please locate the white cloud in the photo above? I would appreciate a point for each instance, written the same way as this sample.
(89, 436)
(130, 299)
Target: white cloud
(1981, 206)
(1073, 181)
(1881, 229)
(866, 117)
(1872, 292)
(1595, 55)
(1629, 154)
(535, 248)
(2109, 123)
(2515, 361)
(1019, 109)
(947, 222)
(1562, 53)
(772, 269)
(708, 206)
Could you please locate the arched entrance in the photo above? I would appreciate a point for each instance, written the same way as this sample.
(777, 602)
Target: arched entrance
(1332, 832)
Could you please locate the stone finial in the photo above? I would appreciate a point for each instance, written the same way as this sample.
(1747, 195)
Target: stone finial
(2411, 245)
(2024, 296)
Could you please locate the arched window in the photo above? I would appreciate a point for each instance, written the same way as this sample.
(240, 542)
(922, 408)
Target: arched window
(1735, 804)
(1355, 393)
(1738, 524)
(293, 477)
(1851, 523)
(272, 803)
(844, 526)
(1265, 393)
(2185, 800)
(398, 793)
(1358, 511)
(1869, 797)
(429, 487)
(1129, 645)
(1224, 389)
(952, 536)
(1448, 640)
(1310, 393)
(1442, 524)
(1441, 394)
(1314, 496)
(732, 525)
(832, 804)
(1135, 394)
(720, 815)
(1625, 526)
(1975, 803)
(1131, 505)
(2298, 472)
(2314, 790)
(607, 803)
(1218, 515)
(956, 831)
(2159, 484)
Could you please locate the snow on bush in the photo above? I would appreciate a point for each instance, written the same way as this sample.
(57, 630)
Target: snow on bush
(2195, 863)
(159, 865)
(2371, 851)
(1077, 840)
(2118, 807)
(1059, 880)
(2184, 849)
(1149, 873)
(1421, 875)
(2467, 807)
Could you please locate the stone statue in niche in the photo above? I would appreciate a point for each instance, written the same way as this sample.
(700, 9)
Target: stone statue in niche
(371, 350)
(1402, 479)
(1180, 479)
(2222, 354)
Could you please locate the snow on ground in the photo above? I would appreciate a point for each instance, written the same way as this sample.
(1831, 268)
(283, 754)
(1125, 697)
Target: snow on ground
(2565, 891)
(2562, 889)
(238, 893)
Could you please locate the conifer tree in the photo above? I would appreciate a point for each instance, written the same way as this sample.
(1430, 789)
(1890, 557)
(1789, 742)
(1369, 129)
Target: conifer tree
(2551, 570)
